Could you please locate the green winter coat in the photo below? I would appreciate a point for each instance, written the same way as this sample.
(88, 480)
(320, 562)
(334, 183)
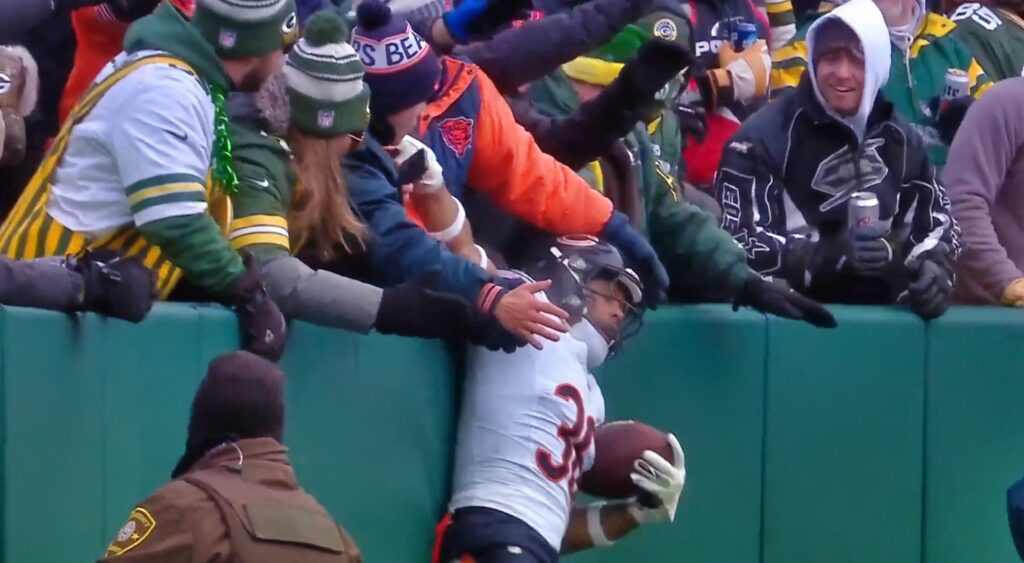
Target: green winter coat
(667, 143)
(995, 36)
(916, 77)
(698, 254)
(264, 189)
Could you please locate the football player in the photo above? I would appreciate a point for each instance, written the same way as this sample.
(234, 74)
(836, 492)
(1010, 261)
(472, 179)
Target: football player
(526, 431)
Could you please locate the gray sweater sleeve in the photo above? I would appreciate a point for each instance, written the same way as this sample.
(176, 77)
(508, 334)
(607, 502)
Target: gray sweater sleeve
(320, 297)
(974, 177)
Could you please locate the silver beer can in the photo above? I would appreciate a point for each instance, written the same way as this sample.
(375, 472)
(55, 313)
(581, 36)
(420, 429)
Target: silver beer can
(957, 82)
(863, 210)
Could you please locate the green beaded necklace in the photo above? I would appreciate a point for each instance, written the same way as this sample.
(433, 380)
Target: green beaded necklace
(224, 177)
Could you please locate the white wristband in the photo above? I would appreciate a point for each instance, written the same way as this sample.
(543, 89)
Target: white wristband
(483, 256)
(455, 228)
(594, 527)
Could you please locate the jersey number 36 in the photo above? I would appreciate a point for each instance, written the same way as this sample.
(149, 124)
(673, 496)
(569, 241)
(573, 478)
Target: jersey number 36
(576, 439)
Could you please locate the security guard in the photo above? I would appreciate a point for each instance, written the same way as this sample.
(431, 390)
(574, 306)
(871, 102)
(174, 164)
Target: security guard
(234, 496)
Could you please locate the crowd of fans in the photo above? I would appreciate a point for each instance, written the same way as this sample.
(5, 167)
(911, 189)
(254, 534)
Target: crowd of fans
(687, 134)
(375, 166)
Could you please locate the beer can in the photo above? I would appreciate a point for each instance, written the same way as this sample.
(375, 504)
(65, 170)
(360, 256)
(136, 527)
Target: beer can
(956, 84)
(743, 35)
(863, 210)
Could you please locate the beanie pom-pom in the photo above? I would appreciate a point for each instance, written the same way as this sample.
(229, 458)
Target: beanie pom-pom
(325, 28)
(372, 14)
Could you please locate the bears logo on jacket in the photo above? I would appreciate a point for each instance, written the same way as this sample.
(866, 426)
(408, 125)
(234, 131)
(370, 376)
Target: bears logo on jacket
(457, 133)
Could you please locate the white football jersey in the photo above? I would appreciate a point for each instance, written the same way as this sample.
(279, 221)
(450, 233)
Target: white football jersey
(526, 433)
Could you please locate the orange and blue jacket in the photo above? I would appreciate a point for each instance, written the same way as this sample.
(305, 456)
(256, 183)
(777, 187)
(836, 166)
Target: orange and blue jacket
(470, 128)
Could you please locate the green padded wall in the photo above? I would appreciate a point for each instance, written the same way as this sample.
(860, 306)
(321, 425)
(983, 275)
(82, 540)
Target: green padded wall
(975, 426)
(102, 408)
(884, 441)
(843, 445)
(691, 372)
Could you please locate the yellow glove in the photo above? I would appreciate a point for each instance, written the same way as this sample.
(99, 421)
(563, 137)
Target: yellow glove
(741, 76)
(1013, 295)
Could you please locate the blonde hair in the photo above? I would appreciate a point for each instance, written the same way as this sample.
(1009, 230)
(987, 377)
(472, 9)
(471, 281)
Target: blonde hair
(320, 213)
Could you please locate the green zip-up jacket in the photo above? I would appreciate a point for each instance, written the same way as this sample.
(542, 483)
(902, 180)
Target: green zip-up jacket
(699, 255)
(916, 76)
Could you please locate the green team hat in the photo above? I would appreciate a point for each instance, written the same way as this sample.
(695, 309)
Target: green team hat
(325, 80)
(247, 28)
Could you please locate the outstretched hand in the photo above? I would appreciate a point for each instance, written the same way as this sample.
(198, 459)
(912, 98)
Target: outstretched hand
(525, 316)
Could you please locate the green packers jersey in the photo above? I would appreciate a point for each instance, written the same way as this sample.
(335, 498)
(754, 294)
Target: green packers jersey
(995, 37)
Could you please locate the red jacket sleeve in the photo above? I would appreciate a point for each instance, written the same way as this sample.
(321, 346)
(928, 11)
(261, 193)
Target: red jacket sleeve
(523, 180)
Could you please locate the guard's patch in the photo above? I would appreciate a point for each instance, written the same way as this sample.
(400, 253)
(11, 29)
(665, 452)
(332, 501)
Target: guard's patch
(457, 133)
(665, 29)
(139, 526)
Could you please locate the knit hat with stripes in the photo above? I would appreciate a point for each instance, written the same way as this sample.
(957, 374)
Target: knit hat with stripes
(401, 68)
(246, 28)
(325, 80)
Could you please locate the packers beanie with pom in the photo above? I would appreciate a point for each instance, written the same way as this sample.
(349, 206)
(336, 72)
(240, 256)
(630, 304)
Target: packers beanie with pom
(401, 69)
(246, 28)
(325, 80)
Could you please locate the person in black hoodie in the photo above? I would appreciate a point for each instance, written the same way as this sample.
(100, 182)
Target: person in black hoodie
(787, 177)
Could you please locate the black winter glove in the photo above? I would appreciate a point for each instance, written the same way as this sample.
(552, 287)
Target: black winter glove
(949, 115)
(413, 309)
(115, 286)
(931, 288)
(131, 10)
(693, 121)
(655, 65)
(262, 326)
(764, 296)
(480, 19)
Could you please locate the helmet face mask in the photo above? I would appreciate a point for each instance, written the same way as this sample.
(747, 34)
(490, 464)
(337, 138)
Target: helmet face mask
(572, 263)
(627, 283)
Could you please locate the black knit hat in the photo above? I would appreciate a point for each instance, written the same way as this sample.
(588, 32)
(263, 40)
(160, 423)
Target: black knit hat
(242, 396)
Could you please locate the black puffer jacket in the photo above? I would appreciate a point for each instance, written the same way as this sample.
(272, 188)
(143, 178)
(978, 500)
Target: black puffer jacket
(786, 177)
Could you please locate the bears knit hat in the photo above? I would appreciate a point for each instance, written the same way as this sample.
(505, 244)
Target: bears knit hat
(325, 80)
(401, 69)
(246, 28)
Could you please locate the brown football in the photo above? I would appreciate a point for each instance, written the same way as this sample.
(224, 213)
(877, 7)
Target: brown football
(617, 445)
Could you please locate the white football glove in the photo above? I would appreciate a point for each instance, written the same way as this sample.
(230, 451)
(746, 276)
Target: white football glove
(433, 178)
(661, 479)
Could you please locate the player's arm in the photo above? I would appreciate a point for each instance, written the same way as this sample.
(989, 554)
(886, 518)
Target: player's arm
(597, 525)
(602, 523)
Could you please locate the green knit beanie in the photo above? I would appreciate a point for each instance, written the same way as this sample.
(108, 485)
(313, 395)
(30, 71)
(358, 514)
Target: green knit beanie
(247, 28)
(325, 80)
